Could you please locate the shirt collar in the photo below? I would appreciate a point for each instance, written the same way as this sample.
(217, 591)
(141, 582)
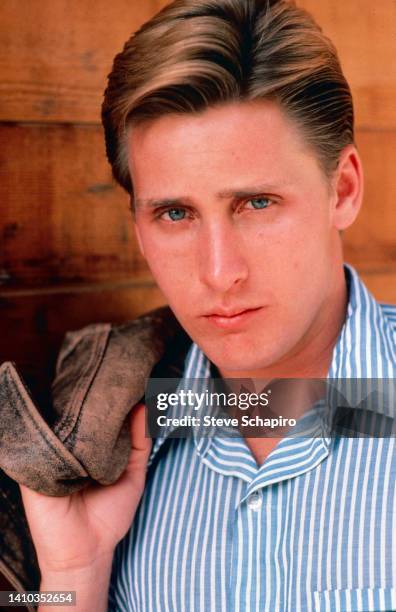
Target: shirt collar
(365, 349)
(366, 345)
(363, 367)
(196, 377)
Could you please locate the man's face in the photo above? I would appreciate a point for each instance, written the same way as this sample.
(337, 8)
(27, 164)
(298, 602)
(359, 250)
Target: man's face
(235, 219)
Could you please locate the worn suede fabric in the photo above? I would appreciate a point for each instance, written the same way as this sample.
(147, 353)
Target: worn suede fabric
(101, 374)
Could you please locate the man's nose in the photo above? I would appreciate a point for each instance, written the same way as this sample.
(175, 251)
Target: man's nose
(222, 261)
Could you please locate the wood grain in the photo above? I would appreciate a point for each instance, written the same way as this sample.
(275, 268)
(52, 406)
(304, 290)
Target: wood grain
(370, 243)
(381, 284)
(55, 56)
(55, 59)
(364, 34)
(32, 326)
(62, 217)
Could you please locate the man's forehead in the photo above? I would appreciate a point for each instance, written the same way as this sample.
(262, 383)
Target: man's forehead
(231, 120)
(229, 152)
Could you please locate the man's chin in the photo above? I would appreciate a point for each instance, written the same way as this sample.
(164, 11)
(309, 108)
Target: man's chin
(240, 365)
(245, 351)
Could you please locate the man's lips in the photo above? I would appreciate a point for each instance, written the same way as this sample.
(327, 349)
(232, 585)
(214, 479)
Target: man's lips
(232, 318)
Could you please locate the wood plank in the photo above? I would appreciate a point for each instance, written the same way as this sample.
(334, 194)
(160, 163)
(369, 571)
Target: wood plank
(371, 242)
(55, 56)
(382, 285)
(63, 219)
(32, 326)
(364, 34)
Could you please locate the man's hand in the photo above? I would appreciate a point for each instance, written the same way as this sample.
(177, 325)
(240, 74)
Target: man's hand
(75, 536)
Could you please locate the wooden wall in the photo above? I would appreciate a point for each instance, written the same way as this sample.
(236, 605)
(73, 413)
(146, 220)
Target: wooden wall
(67, 255)
(364, 33)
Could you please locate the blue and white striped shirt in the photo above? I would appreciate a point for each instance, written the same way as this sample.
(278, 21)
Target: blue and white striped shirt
(312, 528)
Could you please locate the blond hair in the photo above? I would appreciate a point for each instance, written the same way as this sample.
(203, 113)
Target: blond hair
(195, 54)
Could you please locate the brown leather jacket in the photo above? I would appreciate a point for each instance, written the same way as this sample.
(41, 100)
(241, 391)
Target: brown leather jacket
(101, 374)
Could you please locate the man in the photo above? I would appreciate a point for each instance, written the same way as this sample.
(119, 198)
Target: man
(230, 124)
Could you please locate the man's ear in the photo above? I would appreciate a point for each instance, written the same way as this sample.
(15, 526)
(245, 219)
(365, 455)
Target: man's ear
(348, 188)
(135, 225)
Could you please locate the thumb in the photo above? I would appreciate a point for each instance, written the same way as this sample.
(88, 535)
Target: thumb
(141, 443)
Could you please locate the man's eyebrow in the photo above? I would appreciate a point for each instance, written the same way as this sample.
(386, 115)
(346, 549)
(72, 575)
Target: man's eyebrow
(251, 190)
(159, 203)
(226, 194)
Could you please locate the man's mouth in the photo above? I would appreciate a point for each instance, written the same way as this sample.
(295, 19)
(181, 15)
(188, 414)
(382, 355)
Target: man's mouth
(231, 319)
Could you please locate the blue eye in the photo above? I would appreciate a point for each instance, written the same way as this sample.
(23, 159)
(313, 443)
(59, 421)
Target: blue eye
(260, 203)
(176, 214)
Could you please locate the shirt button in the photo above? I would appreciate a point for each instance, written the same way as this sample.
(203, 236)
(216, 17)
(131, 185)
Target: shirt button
(254, 501)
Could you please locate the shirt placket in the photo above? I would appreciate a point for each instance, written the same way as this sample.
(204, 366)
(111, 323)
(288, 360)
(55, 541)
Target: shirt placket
(252, 567)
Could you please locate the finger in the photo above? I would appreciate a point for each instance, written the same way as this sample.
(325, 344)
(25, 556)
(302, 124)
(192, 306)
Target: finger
(141, 444)
(137, 427)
